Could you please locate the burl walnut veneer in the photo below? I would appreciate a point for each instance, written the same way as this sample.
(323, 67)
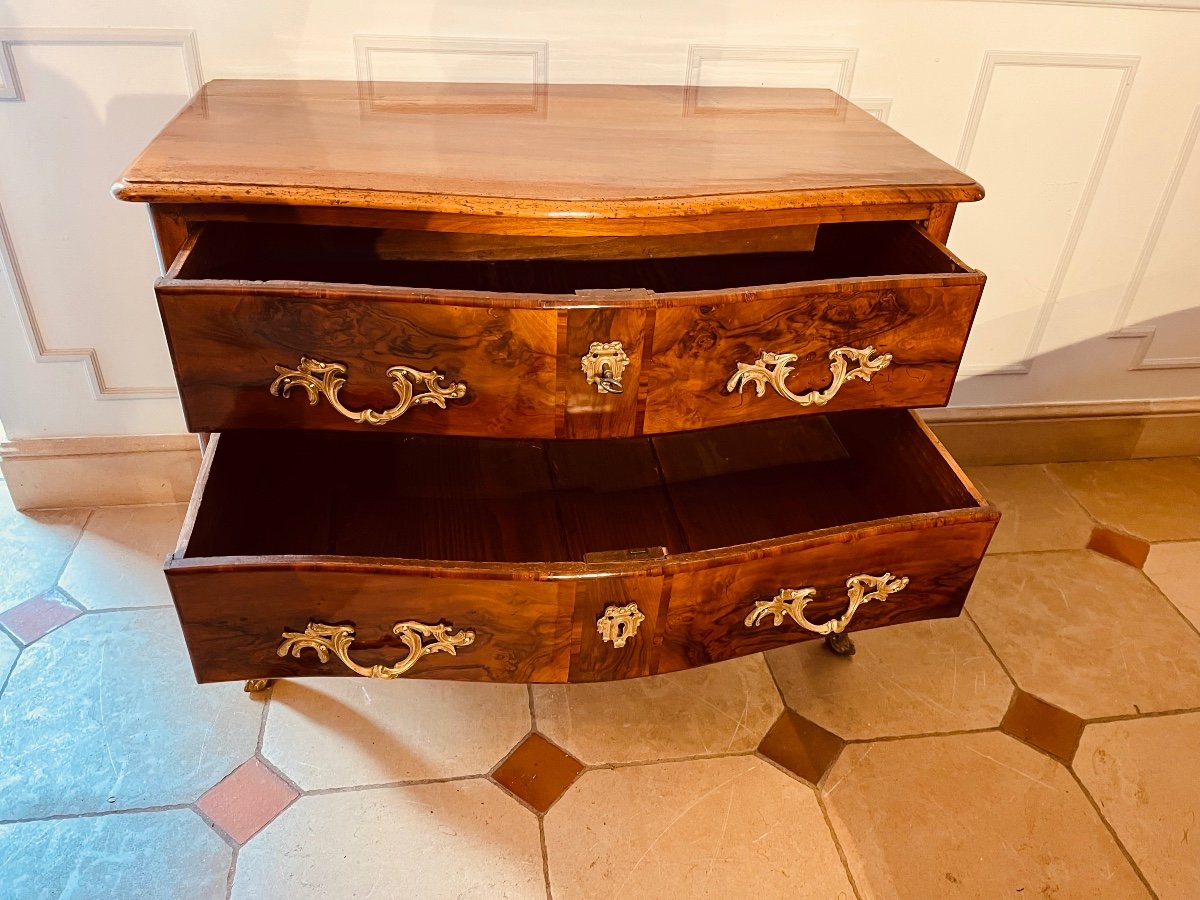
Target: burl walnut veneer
(612, 384)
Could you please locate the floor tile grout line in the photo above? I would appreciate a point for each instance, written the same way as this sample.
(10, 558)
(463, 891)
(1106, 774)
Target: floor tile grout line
(355, 788)
(91, 511)
(837, 843)
(1111, 830)
(600, 767)
(113, 609)
(987, 643)
(233, 861)
(221, 832)
(70, 598)
(545, 856)
(94, 814)
(533, 725)
(892, 738)
(8, 675)
(1149, 714)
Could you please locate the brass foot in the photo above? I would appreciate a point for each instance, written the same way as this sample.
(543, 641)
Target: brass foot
(839, 644)
(257, 685)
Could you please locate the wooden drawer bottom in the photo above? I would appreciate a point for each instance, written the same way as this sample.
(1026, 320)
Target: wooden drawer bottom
(533, 561)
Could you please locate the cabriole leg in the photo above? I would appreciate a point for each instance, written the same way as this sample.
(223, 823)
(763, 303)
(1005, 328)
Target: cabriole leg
(839, 644)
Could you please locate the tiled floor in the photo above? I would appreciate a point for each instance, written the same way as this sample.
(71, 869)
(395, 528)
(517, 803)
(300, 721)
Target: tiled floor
(1046, 744)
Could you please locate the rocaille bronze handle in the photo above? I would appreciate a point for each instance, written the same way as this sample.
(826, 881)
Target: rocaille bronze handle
(420, 639)
(322, 379)
(845, 364)
(791, 602)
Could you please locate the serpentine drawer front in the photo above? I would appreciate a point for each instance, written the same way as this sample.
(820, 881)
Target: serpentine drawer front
(609, 386)
(541, 564)
(268, 329)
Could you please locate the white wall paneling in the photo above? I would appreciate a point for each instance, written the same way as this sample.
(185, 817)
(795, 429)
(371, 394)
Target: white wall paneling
(76, 265)
(1166, 279)
(1038, 134)
(715, 66)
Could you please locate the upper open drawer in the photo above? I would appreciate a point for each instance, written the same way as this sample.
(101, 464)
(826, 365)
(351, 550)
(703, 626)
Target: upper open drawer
(540, 338)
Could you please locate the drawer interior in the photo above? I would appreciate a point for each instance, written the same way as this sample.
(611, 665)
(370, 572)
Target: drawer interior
(491, 500)
(258, 252)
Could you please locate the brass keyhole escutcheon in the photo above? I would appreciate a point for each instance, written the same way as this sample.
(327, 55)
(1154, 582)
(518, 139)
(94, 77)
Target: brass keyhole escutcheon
(604, 364)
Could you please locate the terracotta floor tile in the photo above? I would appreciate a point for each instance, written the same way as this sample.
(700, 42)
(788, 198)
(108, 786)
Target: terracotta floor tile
(33, 545)
(907, 679)
(800, 746)
(1086, 633)
(464, 839)
(1144, 775)
(1154, 499)
(538, 772)
(345, 732)
(1122, 547)
(1175, 568)
(36, 618)
(1037, 513)
(708, 828)
(119, 559)
(721, 708)
(970, 815)
(1044, 725)
(244, 802)
(167, 854)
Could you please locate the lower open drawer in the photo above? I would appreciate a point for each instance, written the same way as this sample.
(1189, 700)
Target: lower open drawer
(314, 553)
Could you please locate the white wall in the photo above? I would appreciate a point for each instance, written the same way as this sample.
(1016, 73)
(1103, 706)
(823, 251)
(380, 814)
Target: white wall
(1080, 119)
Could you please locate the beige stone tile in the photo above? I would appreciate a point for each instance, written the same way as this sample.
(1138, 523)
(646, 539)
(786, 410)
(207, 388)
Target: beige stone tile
(33, 548)
(1036, 512)
(463, 839)
(970, 815)
(1169, 436)
(908, 679)
(171, 853)
(1145, 777)
(343, 732)
(104, 714)
(721, 708)
(1154, 499)
(1086, 633)
(119, 559)
(709, 828)
(1012, 442)
(1175, 568)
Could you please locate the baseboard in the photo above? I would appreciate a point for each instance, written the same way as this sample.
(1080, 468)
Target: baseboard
(45, 473)
(1068, 432)
(109, 471)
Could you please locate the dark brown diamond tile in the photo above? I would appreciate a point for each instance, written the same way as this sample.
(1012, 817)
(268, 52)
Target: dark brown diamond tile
(538, 772)
(1043, 725)
(1122, 547)
(800, 746)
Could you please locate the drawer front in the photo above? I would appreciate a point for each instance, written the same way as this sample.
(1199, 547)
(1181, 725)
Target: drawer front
(896, 346)
(707, 618)
(237, 621)
(239, 364)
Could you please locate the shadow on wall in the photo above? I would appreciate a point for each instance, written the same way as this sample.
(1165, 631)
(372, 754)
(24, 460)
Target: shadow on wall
(1086, 370)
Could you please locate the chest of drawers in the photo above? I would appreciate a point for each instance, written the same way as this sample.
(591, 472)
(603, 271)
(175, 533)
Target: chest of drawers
(614, 385)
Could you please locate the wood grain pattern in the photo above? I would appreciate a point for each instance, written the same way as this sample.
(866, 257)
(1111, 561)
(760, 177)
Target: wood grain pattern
(467, 531)
(225, 348)
(241, 299)
(696, 351)
(233, 619)
(706, 622)
(601, 151)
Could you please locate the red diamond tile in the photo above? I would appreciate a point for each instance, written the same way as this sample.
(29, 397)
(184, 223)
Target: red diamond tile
(246, 800)
(1122, 547)
(36, 618)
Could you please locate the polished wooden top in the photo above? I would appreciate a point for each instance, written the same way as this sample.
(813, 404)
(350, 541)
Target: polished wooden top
(607, 151)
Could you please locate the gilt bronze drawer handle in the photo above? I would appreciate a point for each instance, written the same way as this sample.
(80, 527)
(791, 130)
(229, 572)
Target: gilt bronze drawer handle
(604, 364)
(791, 602)
(420, 640)
(774, 369)
(619, 624)
(326, 379)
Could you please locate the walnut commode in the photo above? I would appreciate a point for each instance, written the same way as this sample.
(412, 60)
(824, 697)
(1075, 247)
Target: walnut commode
(613, 384)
